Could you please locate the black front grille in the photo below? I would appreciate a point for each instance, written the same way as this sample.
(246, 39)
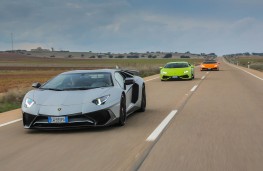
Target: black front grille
(184, 76)
(28, 119)
(166, 77)
(178, 78)
(98, 118)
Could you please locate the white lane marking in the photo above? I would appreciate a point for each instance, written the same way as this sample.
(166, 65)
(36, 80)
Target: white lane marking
(243, 70)
(193, 89)
(162, 125)
(8, 123)
(249, 73)
(203, 77)
(207, 72)
(151, 79)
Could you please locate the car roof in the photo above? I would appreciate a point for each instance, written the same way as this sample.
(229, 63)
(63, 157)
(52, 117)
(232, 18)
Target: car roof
(209, 61)
(91, 71)
(177, 62)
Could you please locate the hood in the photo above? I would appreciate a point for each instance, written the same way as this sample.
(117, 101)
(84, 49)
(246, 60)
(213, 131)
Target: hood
(174, 71)
(66, 98)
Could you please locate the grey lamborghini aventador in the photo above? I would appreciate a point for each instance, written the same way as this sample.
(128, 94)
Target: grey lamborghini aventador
(83, 98)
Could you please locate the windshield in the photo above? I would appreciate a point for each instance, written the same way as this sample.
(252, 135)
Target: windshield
(79, 81)
(176, 65)
(209, 62)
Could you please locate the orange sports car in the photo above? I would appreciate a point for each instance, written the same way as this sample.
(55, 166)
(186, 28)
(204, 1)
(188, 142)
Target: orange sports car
(209, 65)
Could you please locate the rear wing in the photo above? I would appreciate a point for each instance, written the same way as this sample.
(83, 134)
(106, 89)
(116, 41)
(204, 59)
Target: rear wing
(132, 72)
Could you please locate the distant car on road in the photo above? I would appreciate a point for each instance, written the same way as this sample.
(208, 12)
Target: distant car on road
(177, 70)
(84, 98)
(209, 65)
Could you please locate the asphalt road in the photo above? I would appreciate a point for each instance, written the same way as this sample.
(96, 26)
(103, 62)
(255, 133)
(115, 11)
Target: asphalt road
(211, 123)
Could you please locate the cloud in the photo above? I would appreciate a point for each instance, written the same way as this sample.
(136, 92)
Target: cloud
(132, 25)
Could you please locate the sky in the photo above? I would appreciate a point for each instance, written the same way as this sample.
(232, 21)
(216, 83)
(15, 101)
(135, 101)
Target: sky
(123, 26)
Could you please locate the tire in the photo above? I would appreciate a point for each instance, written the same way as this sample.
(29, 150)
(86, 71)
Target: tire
(122, 118)
(143, 103)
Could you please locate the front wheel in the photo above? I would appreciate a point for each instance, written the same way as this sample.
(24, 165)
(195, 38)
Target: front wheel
(122, 118)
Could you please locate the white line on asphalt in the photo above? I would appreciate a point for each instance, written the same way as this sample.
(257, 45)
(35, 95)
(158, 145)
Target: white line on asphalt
(151, 79)
(193, 89)
(243, 70)
(203, 78)
(249, 73)
(161, 127)
(8, 123)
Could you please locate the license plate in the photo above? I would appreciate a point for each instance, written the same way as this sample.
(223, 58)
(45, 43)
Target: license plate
(175, 76)
(59, 119)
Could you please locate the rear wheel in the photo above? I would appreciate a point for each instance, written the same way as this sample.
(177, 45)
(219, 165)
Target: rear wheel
(143, 103)
(122, 118)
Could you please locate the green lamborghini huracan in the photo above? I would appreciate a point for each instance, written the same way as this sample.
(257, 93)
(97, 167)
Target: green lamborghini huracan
(176, 71)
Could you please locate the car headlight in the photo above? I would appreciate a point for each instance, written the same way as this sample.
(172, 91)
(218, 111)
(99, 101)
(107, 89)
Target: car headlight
(101, 100)
(163, 72)
(29, 103)
(186, 72)
(215, 65)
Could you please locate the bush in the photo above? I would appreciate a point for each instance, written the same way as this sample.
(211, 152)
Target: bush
(257, 66)
(184, 56)
(168, 55)
(152, 56)
(12, 99)
(133, 56)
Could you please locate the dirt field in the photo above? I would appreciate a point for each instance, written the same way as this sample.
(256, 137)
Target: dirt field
(19, 71)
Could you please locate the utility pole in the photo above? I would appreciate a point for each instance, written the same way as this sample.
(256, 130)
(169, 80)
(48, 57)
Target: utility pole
(12, 42)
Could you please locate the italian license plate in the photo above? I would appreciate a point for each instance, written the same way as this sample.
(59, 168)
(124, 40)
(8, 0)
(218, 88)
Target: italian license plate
(175, 76)
(59, 119)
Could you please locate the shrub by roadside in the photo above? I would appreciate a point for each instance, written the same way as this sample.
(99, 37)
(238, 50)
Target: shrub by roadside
(12, 99)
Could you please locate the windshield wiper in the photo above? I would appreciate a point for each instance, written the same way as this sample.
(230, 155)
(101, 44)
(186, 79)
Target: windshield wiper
(77, 88)
(54, 89)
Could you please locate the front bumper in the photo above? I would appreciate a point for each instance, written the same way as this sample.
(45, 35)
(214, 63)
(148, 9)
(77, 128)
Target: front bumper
(93, 119)
(181, 77)
(209, 69)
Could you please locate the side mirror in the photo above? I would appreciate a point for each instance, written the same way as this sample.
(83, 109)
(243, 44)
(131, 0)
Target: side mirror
(129, 81)
(36, 85)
